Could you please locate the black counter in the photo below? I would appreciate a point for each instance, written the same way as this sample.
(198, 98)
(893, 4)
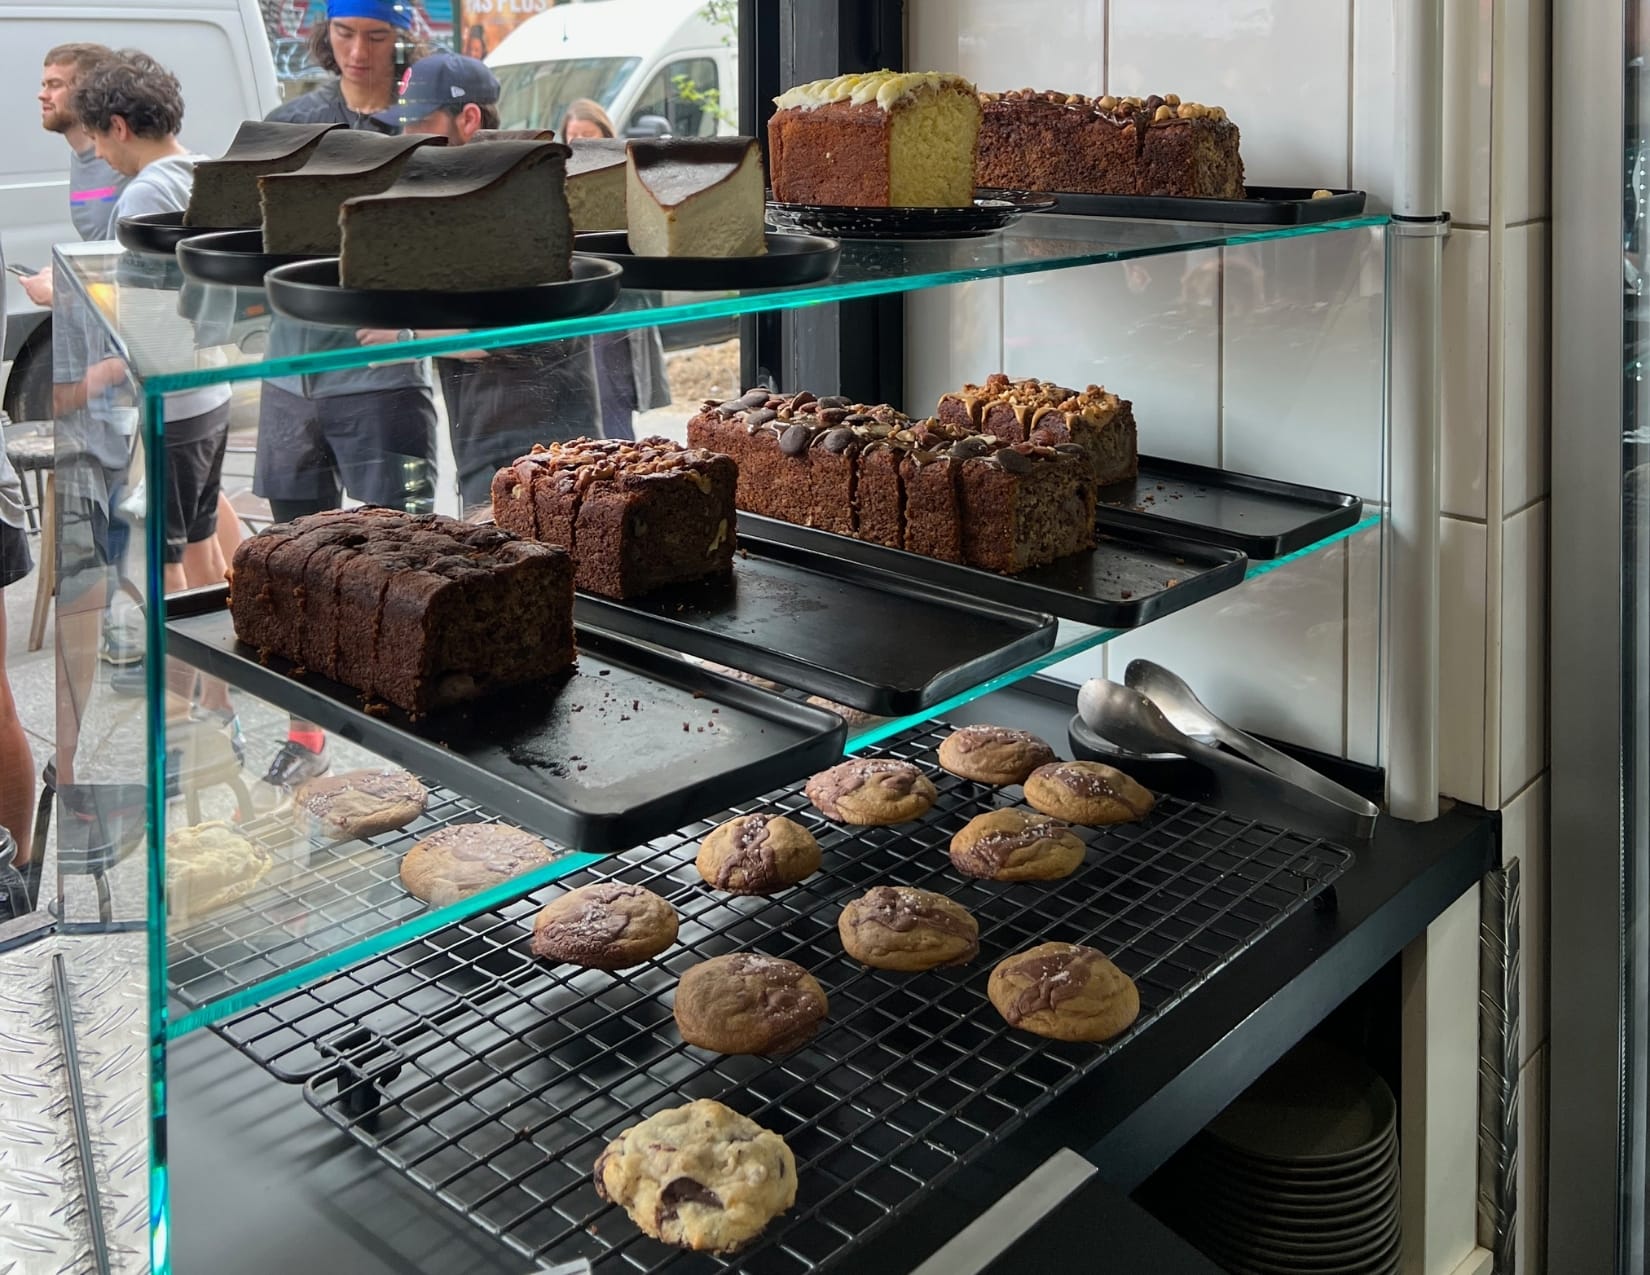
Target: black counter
(261, 1184)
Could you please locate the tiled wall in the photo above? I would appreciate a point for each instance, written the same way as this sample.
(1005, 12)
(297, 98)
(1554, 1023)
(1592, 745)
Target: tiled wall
(1278, 388)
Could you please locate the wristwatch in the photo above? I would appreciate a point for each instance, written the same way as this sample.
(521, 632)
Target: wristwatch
(405, 334)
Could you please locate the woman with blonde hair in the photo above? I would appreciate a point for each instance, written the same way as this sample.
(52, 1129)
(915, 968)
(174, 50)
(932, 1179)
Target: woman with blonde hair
(585, 118)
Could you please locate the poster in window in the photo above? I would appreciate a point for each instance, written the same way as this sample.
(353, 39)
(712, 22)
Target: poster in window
(483, 24)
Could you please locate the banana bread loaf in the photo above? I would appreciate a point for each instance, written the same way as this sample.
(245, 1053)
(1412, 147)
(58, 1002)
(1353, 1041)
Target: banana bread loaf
(1033, 411)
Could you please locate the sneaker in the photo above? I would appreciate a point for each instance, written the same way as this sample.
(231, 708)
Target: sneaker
(123, 638)
(293, 763)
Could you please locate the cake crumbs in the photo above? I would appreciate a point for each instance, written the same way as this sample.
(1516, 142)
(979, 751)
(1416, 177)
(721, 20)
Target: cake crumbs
(1126, 594)
(686, 728)
(635, 706)
(603, 672)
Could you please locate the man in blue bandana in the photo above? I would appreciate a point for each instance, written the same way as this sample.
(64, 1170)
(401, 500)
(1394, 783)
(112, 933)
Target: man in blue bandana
(367, 44)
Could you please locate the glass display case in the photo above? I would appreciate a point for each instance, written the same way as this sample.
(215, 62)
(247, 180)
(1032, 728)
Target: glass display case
(753, 690)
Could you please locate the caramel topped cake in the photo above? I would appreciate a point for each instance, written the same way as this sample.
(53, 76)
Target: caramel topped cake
(695, 197)
(1042, 140)
(634, 515)
(1034, 411)
(225, 190)
(941, 490)
(420, 611)
(880, 139)
(300, 208)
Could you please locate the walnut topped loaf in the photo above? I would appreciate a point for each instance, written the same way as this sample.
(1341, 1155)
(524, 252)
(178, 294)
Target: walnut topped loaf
(1034, 411)
(419, 611)
(1157, 145)
(634, 515)
(928, 487)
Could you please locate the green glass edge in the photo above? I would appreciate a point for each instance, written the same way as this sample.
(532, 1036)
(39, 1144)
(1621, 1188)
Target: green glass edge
(373, 945)
(751, 302)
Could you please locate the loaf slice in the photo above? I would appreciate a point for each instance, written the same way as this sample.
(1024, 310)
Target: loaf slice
(224, 193)
(299, 208)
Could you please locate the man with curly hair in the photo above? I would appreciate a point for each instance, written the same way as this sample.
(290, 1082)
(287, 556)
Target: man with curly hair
(367, 44)
(132, 109)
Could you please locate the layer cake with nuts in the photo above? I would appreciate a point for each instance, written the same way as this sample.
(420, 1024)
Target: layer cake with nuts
(1034, 411)
(419, 611)
(635, 516)
(927, 487)
(1053, 141)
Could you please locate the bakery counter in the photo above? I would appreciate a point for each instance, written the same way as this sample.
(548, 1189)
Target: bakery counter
(314, 1182)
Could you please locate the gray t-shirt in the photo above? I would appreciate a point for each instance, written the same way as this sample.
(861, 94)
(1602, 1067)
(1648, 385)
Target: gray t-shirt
(162, 186)
(93, 189)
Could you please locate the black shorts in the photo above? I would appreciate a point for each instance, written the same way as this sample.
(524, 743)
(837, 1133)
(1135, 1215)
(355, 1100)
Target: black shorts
(378, 447)
(194, 475)
(15, 562)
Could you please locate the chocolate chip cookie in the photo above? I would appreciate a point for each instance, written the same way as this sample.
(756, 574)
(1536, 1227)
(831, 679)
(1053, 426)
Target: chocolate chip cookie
(611, 925)
(757, 854)
(872, 791)
(360, 803)
(994, 754)
(1087, 792)
(1064, 991)
(898, 927)
(1016, 845)
(462, 859)
(747, 1003)
(700, 1176)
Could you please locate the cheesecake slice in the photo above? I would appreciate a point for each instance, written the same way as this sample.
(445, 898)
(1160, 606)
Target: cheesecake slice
(595, 183)
(695, 197)
(421, 233)
(225, 193)
(300, 208)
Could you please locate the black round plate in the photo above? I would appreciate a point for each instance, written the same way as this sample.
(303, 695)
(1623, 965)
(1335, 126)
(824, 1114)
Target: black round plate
(309, 290)
(158, 233)
(990, 211)
(233, 257)
(790, 259)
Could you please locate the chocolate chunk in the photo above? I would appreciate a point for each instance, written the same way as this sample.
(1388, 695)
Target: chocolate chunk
(1013, 461)
(735, 404)
(859, 418)
(801, 400)
(754, 398)
(760, 416)
(794, 441)
(835, 400)
(833, 415)
(687, 1191)
(969, 448)
(1152, 103)
(1070, 449)
(838, 440)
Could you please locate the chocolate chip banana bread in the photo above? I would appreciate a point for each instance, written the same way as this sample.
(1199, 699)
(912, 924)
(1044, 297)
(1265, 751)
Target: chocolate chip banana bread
(940, 490)
(634, 515)
(1034, 411)
(419, 611)
(1042, 140)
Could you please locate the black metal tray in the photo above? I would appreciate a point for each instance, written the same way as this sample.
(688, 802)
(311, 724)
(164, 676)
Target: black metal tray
(1265, 206)
(1128, 580)
(1261, 517)
(879, 642)
(309, 290)
(233, 257)
(158, 233)
(631, 744)
(991, 210)
(789, 260)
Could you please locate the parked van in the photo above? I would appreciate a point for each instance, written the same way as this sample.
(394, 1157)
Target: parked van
(658, 67)
(220, 54)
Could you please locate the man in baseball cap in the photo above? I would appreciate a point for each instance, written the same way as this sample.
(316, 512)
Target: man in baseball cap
(447, 95)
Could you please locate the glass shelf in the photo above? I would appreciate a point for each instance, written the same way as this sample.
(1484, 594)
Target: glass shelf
(868, 268)
(322, 909)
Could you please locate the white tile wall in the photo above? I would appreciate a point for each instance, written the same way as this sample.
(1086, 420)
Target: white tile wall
(1527, 95)
(1467, 110)
(953, 335)
(1464, 357)
(1524, 836)
(1531, 1258)
(1523, 649)
(1526, 428)
(1461, 661)
(999, 47)
(1374, 108)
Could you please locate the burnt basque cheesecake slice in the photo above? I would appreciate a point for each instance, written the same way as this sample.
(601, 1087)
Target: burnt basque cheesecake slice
(420, 611)
(300, 208)
(695, 197)
(1034, 411)
(1042, 140)
(595, 183)
(634, 515)
(928, 487)
(420, 234)
(225, 190)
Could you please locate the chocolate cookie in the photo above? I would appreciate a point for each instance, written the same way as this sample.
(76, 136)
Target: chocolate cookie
(897, 927)
(1087, 792)
(871, 790)
(462, 859)
(747, 1003)
(1064, 991)
(757, 854)
(994, 754)
(611, 925)
(700, 1176)
(360, 803)
(1016, 845)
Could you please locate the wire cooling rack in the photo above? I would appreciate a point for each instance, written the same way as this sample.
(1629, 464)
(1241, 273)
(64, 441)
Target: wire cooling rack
(493, 1079)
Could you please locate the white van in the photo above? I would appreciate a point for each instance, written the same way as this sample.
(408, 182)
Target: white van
(220, 54)
(658, 67)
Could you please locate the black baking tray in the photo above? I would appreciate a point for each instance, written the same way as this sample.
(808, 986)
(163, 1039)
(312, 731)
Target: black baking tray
(232, 257)
(789, 260)
(1264, 206)
(158, 233)
(1131, 578)
(991, 210)
(884, 643)
(1262, 517)
(633, 743)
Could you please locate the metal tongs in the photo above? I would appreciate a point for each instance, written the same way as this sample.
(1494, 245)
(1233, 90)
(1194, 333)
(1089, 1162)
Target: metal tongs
(1156, 712)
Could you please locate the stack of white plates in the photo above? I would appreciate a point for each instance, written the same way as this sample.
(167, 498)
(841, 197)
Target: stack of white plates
(1300, 1175)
